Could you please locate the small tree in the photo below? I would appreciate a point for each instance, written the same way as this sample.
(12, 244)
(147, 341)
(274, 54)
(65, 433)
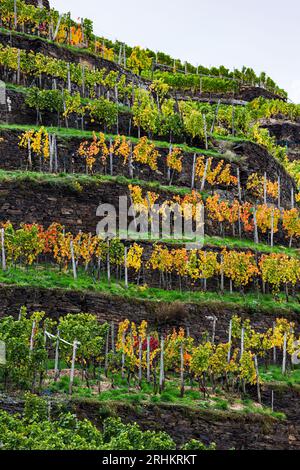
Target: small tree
(145, 112)
(86, 329)
(139, 60)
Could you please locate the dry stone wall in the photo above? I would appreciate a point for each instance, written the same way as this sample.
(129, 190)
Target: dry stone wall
(59, 302)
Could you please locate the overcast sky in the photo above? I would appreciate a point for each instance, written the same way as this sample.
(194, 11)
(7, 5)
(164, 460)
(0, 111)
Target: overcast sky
(262, 34)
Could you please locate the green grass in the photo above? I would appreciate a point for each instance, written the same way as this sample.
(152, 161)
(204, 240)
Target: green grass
(244, 243)
(133, 395)
(250, 408)
(230, 138)
(48, 277)
(227, 242)
(274, 374)
(170, 395)
(192, 399)
(76, 182)
(16, 88)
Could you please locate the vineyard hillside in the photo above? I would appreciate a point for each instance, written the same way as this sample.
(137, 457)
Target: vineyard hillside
(195, 335)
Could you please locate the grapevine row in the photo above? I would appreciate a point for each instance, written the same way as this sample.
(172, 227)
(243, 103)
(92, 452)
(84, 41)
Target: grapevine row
(140, 353)
(239, 216)
(33, 243)
(60, 28)
(106, 154)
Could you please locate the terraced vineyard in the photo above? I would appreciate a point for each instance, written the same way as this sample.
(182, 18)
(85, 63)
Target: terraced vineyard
(150, 237)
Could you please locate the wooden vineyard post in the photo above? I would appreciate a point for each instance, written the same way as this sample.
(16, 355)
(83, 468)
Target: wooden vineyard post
(133, 212)
(73, 260)
(19, 66)
(123, 355)
(106, 352)
(272, 228)
(126, 267)
(239, 184)
(150, 213)
(140, 361)
(108, 263)
(284, 354)
(29, 152)
(242, 353)
(50, 154)
(274, 348)
(148, 360)
(193, 172)
(32, 337)
(257, 380)
(222, 274)
(69, 78)
(120, 55)
(55, 154)
(130, 166)
(240, 222)
(229, 342)
(181, 371)
(215, 117)
(99, 268)
(242, 342)
(51, 31)
(56, 366)
(265, 188)
(82, 29)
(279, 192)
(113, 337)
(117, 102)
(214, 330)
(255, 226)
(292, 198)
(15, 14)
(162, 367)
(49, 408)
(169, 169)
(124, 56)
(205, 132)
(111, 158)
(3, 256)
(83, 80)
(53, 162)
(204, 175)
(65, 108)
(72, 372)
(233, 121)
(57, 27)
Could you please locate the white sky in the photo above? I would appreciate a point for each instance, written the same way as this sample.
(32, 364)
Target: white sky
(262, 34)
